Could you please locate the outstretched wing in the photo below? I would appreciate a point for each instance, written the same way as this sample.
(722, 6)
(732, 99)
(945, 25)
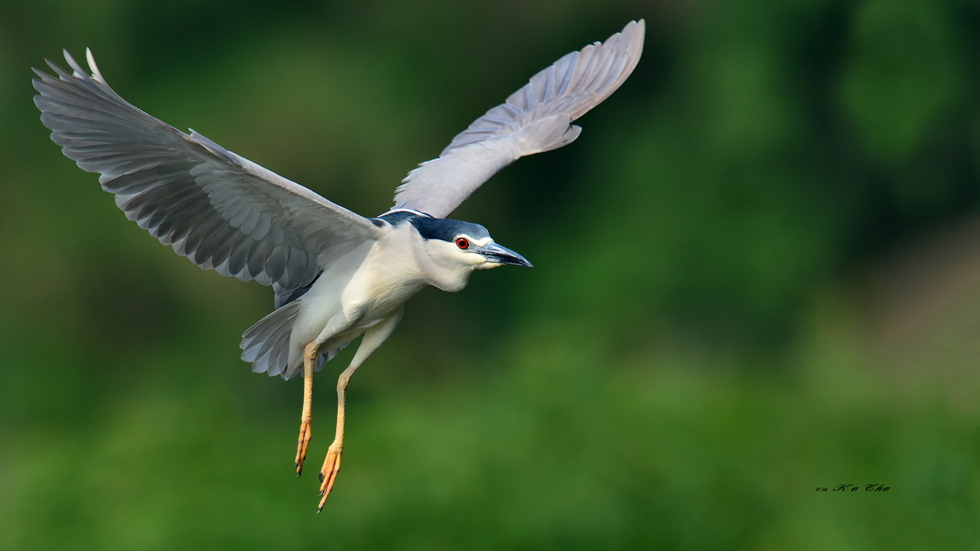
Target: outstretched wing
(220, 210)
(534, 119)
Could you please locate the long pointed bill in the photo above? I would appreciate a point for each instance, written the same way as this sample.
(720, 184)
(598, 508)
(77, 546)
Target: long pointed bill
(496, 254)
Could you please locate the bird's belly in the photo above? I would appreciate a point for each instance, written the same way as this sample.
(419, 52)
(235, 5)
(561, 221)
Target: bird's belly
(335, 310)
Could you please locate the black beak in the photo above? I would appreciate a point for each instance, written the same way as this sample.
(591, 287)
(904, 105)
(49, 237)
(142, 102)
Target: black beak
(502, 255)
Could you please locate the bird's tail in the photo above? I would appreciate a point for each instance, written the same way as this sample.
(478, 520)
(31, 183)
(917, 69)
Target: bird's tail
(266, 344)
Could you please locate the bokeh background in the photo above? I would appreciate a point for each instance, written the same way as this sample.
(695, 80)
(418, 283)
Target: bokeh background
(757, 274)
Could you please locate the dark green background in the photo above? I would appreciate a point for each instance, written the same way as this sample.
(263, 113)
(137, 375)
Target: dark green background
(757, 273)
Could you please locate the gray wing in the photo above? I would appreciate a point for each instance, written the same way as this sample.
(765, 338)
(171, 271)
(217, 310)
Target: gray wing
(534, 119)
(220, 210)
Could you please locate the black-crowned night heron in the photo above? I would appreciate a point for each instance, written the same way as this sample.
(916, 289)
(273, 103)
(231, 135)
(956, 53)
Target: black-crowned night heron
(336, 275)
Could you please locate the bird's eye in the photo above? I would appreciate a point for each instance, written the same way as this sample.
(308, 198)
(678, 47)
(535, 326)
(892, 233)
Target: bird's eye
(462, 243)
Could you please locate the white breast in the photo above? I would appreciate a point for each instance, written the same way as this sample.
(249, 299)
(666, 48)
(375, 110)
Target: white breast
(386, 279)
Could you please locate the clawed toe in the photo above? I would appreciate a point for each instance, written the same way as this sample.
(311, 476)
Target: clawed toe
(302, 444)
(328, 474)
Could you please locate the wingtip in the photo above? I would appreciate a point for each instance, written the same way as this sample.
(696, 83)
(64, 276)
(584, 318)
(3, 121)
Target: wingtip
(77, 69)
(90, 58)
(635, 31)
(634, 35)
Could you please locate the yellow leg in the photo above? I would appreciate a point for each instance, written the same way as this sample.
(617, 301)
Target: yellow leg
(373, 338)
(305, 431)
(331, 465)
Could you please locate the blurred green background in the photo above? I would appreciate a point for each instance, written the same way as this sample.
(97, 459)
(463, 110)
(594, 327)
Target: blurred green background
(757, 273)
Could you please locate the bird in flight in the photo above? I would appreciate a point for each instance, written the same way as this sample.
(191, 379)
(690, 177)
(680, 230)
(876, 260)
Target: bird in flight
(336, 275)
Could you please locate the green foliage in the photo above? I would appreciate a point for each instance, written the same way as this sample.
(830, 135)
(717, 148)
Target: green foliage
(756, 275)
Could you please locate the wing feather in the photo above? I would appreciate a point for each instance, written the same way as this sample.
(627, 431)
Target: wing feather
(220, 210)
(534, 119)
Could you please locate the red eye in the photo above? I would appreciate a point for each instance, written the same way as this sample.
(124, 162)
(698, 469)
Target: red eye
(462, 243)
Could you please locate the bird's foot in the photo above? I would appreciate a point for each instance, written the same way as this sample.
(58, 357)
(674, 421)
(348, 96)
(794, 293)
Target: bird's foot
(328, 474)
(305, 433)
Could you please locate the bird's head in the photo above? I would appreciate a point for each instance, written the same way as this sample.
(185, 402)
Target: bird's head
(457, 248)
